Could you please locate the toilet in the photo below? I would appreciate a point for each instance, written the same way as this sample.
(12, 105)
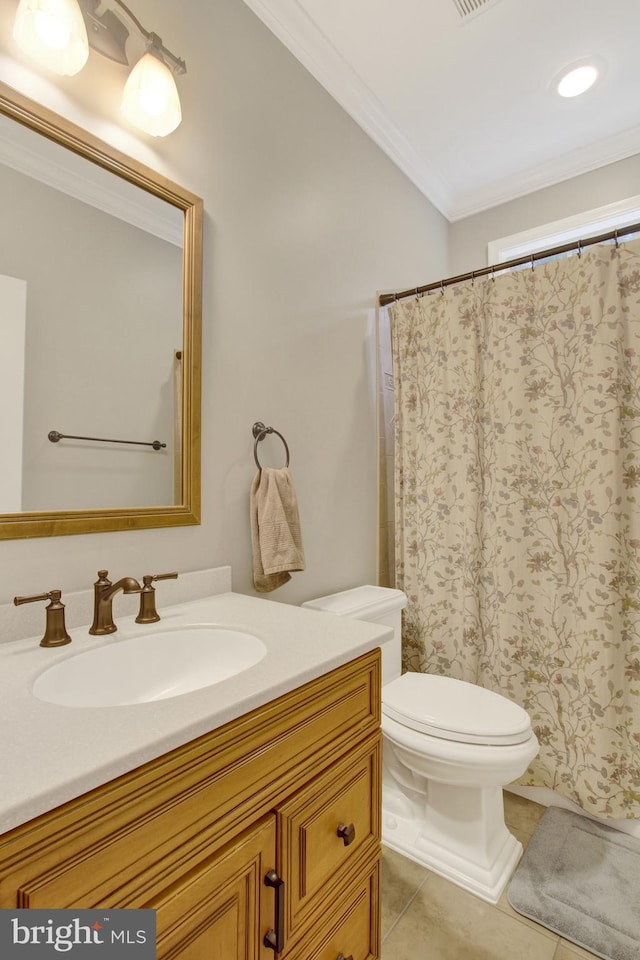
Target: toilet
(449, 747)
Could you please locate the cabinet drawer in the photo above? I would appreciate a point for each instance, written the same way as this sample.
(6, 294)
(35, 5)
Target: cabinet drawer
(326, 831)
(356, 934)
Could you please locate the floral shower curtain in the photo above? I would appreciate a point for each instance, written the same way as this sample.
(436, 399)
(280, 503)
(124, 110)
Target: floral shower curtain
(518, 506)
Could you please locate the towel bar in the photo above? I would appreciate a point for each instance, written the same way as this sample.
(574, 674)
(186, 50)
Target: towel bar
(260, 432)
(55, 436)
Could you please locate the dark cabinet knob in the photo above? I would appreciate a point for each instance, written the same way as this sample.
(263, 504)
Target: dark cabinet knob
(348, 834)
(341, 956)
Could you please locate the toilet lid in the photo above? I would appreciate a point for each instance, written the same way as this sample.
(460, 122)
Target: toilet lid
(454, 710)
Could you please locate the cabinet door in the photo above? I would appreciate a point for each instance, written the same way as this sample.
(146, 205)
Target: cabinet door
(222, 909)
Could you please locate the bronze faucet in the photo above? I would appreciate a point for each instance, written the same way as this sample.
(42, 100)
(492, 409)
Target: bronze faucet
(103, 594)
(55, 634)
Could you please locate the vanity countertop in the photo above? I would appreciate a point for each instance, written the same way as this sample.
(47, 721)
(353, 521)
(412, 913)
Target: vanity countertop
(50, 754)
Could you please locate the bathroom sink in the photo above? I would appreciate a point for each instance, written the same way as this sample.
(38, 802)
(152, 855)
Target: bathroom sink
(154, 666)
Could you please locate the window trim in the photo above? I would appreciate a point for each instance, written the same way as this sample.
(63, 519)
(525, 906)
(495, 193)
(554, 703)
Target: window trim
(622, 213)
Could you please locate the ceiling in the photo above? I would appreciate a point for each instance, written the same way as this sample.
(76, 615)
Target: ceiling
(463, 102)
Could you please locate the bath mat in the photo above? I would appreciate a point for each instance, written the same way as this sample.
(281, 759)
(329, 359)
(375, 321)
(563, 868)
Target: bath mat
(581, 879)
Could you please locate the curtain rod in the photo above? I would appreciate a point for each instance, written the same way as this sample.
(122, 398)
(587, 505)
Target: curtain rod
(386, 298)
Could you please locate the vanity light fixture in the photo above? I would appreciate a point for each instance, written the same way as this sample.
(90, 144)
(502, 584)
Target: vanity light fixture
(53, 31)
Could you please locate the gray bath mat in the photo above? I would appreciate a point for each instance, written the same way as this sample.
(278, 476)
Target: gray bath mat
(581, 879)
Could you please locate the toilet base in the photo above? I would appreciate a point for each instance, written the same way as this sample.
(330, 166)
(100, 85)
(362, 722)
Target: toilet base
(475, 852)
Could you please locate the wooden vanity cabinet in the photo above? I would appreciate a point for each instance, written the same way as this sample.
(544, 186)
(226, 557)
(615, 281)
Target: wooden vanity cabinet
(290, 792)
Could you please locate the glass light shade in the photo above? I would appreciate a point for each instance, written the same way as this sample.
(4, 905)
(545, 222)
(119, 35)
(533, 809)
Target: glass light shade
(150, 100)
(53, 33)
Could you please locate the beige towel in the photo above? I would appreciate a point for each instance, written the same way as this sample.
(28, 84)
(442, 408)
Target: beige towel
(275, 529)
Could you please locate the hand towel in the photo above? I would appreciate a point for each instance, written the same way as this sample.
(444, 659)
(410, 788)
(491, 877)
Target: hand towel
(275, 529)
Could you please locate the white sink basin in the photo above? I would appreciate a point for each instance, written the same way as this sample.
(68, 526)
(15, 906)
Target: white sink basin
(154, 666)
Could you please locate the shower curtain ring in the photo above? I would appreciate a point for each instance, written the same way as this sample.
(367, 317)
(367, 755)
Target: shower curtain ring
(616, 238)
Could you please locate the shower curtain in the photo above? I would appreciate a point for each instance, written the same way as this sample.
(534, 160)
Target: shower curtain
(517, 498)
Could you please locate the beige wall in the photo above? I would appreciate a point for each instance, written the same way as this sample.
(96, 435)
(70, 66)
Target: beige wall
(305, 218)
(469, 237)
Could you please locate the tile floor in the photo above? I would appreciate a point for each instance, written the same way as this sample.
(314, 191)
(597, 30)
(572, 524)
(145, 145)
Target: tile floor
(425, 917)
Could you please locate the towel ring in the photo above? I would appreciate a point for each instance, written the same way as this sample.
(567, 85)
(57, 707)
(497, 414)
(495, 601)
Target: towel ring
(260, 432)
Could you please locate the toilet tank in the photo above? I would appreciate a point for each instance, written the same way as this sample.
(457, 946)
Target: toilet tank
(377, 605)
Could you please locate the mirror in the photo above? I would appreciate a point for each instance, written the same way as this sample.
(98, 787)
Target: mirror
(100, 302)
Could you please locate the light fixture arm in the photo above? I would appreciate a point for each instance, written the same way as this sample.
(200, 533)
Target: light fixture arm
(156, 46)
(109, 24)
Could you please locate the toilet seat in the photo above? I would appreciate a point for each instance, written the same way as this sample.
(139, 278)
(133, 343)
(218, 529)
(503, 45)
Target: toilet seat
(454, 710)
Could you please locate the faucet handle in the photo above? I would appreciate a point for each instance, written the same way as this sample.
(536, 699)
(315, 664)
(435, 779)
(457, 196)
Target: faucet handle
(55, 634)
(148, 612)
(37, 596)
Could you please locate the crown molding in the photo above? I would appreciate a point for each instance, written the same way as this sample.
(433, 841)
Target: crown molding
(573, 164)
(289, 22)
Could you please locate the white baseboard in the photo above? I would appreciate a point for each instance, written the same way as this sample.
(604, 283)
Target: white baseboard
(549, 798)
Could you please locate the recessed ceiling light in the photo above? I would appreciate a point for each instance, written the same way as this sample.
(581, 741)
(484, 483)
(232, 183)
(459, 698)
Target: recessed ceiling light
(578, 80)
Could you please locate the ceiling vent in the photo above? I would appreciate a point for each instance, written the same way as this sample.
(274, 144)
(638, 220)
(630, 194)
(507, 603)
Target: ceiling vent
(471, 8)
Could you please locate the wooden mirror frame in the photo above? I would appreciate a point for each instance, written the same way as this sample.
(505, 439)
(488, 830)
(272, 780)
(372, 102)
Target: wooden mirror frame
(60, 522)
